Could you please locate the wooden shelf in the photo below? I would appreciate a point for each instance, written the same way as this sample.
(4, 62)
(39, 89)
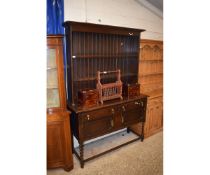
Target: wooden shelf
(52, 87)
(151, 88)
(105, 56)
(85, 79)
(51, 68)
(95, 78)
(152, 83)
(155, 93)
(151, 60)
(127, 75)
(149, 74)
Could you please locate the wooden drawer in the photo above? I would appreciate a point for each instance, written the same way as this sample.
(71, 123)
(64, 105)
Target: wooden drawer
(133, 105)
(97, 114)
(98, 122)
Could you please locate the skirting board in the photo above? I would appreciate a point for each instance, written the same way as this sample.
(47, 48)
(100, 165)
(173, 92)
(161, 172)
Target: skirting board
(76, 144)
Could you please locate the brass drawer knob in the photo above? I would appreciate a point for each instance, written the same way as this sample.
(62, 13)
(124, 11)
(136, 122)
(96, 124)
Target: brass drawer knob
(88, 117)
(112, 123)
(123, 108)
(122, 119)
(112, 110)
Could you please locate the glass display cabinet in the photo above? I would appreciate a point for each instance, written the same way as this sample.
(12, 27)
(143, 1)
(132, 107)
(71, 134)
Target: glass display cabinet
(59, 151)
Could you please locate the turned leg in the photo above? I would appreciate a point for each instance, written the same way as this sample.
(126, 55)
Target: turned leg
(72, 134)
(128, 130)
(72, 143)
(81, 149)
(142, 131)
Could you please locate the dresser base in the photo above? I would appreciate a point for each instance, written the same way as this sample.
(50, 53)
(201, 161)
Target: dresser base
(80, 156)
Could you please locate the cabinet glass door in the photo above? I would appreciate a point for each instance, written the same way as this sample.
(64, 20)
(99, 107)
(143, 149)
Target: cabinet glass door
(52, 80)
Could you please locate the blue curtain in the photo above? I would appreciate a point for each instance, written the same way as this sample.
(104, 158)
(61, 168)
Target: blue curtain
(55, 19)
(55, 16)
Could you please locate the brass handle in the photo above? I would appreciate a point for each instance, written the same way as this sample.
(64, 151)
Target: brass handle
(88, 117)
(112, 110)
(142, 104)
(112, 122)
(122, 118)
(137, 103)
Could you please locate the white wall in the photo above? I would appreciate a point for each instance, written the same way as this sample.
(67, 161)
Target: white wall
(125, 13)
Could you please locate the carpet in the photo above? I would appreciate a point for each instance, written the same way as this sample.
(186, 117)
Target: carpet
(137, 158)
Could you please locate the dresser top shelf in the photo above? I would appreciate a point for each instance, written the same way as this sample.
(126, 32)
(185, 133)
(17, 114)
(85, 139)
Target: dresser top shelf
(78, 109)
(99, 28)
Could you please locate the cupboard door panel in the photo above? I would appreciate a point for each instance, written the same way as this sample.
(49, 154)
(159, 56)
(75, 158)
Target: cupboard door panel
(133, 112)
(59, 151)
(98, 122)
(56, 97)
(51, 58)
(52, 78)
(53, 98)
(55, 137)
(98, 127)
(132, 116)
(154, 116)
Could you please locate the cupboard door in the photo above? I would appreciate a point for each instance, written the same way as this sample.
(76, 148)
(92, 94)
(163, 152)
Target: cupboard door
(154, 117)
(56, 97)
(133, 112)
(55, 137)
(59, 141)
(96, 123)
(53, 98)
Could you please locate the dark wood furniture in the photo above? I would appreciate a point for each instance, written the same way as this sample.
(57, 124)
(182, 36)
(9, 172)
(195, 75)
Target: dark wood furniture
(151, 79)
(92, 48)
(131, 90)
(88, 97)
(59, 151)
(111, 90)
(105, 118)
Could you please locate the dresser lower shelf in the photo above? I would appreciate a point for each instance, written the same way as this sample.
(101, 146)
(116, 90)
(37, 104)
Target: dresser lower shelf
(79, 151)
